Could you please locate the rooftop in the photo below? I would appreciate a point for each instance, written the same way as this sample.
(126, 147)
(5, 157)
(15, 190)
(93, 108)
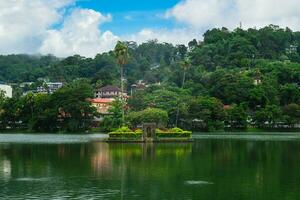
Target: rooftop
(101, 100)
(109, 88)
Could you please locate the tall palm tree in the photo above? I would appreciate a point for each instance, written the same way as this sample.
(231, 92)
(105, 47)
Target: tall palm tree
(185, 64)
(121, 53)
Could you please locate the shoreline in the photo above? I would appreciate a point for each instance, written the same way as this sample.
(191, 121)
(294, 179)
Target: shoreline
(228, 131)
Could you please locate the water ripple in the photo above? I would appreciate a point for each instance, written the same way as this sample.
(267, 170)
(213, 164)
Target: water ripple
(50, 138)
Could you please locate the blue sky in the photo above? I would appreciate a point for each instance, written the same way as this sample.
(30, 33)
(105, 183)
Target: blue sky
(130, 16)
(89, 27)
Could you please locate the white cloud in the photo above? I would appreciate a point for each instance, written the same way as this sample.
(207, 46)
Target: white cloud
(264, 12)
(202, 14)
(30, 26)
(23, 23)
(80, 34)
(174, 36)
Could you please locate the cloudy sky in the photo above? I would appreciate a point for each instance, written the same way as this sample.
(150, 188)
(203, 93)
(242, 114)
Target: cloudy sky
(88, 27)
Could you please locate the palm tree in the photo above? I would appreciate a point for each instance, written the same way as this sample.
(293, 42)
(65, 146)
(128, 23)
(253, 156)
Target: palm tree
(185, 64)
(121, 53)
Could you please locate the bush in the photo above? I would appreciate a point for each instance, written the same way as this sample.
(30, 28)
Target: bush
(177, 130)
(138, 131)
(125, 132)
(173, 133)
(121, 135)
(123, 129)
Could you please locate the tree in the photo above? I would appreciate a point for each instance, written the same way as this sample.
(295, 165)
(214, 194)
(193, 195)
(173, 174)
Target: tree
(72, 106)
(185, 64)
(206, 113)
(44, 117)
(121, 52)
(268, 117)
(169, 101)
(114, 120)
(289, 93)
(149, 115)
(230, 86)
(292, 114)
(236, 116)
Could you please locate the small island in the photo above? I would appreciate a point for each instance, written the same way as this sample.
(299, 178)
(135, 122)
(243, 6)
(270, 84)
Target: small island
(149, 133)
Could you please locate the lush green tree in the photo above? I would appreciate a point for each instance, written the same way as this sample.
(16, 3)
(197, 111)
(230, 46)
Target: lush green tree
(10, 114)
(149, 115)
(268, 117)
(72, 106)
(169, 101)
(289, 93)
(136, 102)
(230, 87)
(236, 116)
(292, 114)
(114, 119)
(44, 118)
(206, 113)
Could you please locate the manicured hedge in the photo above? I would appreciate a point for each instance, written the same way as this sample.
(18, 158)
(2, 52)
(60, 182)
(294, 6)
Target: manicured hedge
(125, 132)
(173, 133)
(125, 135)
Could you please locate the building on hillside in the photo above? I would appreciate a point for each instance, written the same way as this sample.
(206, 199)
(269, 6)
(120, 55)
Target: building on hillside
(102, 105)
(139, 85)
(49, 87)
(7, 89)
(108, 92)
(26, 84)
(291, 49)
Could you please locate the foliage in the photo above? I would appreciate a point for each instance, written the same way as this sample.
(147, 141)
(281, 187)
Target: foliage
(122, 135)
(254, 72)
(268, 116)
(125, 132)
(123, 129)
(173, 133)
(149, 115)
(67, 109)
(236, 116)
(292, 114)
(206, 113)
(114, 120)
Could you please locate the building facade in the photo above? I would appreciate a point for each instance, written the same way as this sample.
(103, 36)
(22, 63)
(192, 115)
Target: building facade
(108, 92)
(7, 89)
(49, 87)
(102, 105)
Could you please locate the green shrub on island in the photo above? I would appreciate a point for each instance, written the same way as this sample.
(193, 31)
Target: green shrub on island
(173, 133)
(125, 132)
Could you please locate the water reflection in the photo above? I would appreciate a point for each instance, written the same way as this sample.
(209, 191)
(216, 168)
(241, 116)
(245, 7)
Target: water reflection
(212, 169)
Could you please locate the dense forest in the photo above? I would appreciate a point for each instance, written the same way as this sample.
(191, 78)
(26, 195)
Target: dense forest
(233, 79)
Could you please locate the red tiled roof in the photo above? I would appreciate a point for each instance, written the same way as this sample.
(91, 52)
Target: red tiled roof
(101, 100)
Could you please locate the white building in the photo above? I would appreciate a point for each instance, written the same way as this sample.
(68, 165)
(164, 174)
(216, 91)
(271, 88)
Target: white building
(7, 89)
(49, 87)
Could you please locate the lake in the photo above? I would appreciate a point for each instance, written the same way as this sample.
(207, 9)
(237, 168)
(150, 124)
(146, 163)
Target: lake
(260, 167)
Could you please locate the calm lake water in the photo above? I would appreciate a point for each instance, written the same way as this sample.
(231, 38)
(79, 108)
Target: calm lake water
(256, 167)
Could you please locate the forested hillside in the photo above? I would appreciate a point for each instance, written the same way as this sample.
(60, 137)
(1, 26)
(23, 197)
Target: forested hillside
(230, 78)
